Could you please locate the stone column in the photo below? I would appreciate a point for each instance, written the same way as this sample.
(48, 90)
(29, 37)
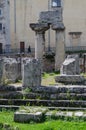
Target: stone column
(39, 44)
(60, 44)
(39, 38)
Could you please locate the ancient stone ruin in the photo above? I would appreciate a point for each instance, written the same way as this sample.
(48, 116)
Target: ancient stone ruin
(31, 72)
(70, 66)
(46, 20)
(11, 69)
(26, 69)
(54, 99)
(70, 71)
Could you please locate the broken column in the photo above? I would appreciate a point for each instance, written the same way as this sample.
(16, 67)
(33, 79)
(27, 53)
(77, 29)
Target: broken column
(31, 72)
(39, 29)
(71, 65)
(70, 71)
(60, 44)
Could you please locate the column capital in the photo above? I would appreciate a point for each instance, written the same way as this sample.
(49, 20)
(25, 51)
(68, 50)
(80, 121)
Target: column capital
(59, 26)
(39, 27)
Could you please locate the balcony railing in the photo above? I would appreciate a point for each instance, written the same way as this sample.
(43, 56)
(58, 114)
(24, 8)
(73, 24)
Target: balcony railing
(71, 49)
(76, 49)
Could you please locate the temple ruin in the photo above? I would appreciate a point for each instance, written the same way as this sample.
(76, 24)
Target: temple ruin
(46, 20)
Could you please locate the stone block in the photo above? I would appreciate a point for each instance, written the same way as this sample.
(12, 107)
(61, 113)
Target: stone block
(27, 117)
(71, 65)
(70, 79)
(10, 70)
(31, 72)
(51, 16)
(27, 114)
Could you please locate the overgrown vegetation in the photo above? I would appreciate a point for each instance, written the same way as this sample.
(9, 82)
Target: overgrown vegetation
(6, 117)
(50, 56)
(49, 78)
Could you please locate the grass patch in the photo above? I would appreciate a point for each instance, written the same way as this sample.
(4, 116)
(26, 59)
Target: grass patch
(7, 117)
(48, 79)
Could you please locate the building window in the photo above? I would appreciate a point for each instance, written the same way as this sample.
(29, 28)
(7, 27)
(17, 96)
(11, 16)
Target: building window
(0, 26)
(56, 3)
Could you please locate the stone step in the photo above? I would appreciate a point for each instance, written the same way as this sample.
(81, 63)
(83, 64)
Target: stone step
(9, 107)
(59, 89)
(67, 108)
(59, 96)
(11, 95)
(48, 103)
(46, 96)
(15, 107)
(13, 87)
(70, 79)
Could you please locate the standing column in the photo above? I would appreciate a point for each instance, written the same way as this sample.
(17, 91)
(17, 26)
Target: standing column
(60, 45)
(39, 38)
(7, 26)
(39, 44)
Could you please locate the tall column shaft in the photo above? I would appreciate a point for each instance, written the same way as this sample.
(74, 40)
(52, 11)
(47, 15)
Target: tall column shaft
(40, 30)
(7, 27)
(39, 45)
(60, 49)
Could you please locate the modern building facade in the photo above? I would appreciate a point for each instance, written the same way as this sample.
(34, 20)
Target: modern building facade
(5, 43)
(24, 12)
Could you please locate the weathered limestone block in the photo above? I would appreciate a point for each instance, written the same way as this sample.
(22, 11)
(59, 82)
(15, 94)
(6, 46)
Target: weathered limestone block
(28, 114)
(27, 117)
(71, 65)
(70, 71)
(10, 70)
(70, 79)
(31, 72)
(51, 16)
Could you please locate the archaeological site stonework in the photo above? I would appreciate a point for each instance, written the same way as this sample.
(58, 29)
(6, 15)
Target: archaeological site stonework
(70, 71)
(46, 20)
(31, 72)
(71, 65)
(11, 69)
(26, 69)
